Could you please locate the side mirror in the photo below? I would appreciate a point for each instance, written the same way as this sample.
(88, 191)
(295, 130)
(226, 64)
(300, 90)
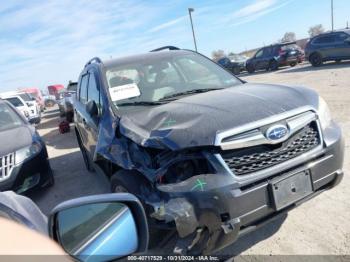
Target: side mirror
(101, 227)
(347, 40)
(92, 109)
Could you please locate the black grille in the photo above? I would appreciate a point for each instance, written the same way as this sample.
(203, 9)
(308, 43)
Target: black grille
(248, 160)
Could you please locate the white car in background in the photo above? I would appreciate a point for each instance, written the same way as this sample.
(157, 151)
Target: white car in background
(34, 107)
(28, 108)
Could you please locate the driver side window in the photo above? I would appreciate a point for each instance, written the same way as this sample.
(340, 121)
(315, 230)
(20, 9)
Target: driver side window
(259, 53)
(94, 92)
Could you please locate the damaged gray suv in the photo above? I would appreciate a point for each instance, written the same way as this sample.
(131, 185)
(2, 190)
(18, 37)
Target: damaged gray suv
(208, 155)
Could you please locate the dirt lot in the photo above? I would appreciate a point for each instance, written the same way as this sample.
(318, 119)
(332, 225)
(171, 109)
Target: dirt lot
(320, 226)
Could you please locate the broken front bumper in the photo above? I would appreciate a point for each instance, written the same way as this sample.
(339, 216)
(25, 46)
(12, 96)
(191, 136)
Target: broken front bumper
(229, 206)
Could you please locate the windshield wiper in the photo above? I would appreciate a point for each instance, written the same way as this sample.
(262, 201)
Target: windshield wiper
(193, 91)
(141, 103)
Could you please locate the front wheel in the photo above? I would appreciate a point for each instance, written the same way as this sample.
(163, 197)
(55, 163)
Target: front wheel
(129, 181)
(236, 70)
(316, 60)
(273, 65)
(293, 64)
(250, 69)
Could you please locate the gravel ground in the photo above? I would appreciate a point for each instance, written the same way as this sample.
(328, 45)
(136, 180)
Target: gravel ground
(319, 226)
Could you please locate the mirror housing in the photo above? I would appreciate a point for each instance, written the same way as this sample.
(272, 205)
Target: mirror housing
(347, 40)
(92, 109)
(109, 225)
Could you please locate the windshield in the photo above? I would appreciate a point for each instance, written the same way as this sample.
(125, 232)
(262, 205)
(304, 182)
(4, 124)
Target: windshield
(8, 118)
(236, 58)
(154, 79)
(26, 97)
(15, 101)
(72, 87)
(34, 94)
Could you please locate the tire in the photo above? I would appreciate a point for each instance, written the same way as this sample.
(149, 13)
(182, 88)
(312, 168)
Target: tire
(273, 65)
(129, 181)
(316, 59)
(236, 70)
(69, 117)
(87, 162)
(338, 61)
(293, 64)
(250, 69)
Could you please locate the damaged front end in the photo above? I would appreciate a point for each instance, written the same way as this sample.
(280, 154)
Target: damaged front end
(186, 189)
(198, 205)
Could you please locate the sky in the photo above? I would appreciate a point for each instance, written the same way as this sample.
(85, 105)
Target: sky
(48, 42)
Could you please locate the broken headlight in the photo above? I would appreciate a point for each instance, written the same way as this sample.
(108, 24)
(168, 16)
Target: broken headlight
(183, 170)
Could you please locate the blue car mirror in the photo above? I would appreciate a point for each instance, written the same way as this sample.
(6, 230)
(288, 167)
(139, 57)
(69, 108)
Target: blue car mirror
(100, 228)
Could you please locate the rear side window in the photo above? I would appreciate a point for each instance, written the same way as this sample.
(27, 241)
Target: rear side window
(15, 101)
(327, 39)
(83, 89)
(341, 37)
(267, 51)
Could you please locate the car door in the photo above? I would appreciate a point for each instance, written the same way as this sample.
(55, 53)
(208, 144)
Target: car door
(325, 45)
(258, 59)
(92, 122)
(342, 45)
(80, 107)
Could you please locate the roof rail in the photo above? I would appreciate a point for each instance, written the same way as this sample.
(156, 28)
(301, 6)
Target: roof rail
(169, 47)
(93, 60)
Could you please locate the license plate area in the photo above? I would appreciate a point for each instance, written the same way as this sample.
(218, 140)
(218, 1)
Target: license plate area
(288, 189)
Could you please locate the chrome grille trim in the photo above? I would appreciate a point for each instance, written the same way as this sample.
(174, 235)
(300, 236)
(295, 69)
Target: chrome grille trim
(251, 135)
(7, 164)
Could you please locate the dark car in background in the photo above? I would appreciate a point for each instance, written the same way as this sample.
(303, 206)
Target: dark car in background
(234, 63)
(208, 155)
(332, 46)
(66, 99)
(24, 161)
(69, 98)
(273, 56)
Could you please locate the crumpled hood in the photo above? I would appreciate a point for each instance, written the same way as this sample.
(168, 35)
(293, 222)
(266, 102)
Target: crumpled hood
(14, 139)
(196, 119)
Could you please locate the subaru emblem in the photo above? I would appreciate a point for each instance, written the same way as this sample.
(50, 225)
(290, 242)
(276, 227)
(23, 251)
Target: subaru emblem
(277, 132)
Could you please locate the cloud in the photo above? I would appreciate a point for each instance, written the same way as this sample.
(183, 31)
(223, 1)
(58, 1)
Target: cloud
(257, 14)
(167, 24)
(252, 9)
(252, 12)
(48, 42)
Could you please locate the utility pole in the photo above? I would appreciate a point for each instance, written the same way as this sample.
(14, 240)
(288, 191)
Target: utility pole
(190, 10)
(332, 15)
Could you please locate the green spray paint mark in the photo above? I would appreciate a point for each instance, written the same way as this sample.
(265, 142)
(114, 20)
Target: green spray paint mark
(199, 184)
(169, 122)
